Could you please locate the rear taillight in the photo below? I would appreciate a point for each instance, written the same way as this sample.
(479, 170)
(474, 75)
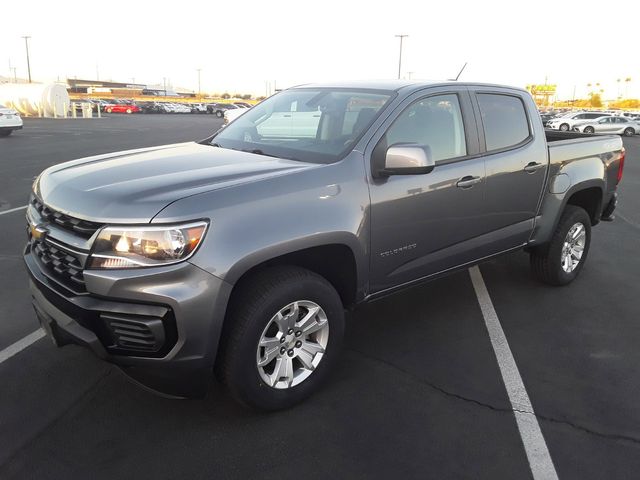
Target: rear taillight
(623, 153)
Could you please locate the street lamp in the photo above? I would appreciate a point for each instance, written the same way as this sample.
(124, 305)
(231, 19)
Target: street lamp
(198, 70)
(26, 44)
(401, 37)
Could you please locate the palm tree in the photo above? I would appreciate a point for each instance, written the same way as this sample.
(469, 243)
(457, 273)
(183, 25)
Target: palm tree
(627, 81)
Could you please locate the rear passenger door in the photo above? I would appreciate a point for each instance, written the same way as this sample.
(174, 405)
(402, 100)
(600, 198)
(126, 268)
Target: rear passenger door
(516, 161)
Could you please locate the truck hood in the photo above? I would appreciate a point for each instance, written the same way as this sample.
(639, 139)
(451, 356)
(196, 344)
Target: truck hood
(133, 186)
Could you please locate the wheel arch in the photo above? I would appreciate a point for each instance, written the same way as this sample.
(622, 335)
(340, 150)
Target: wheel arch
(335, 261)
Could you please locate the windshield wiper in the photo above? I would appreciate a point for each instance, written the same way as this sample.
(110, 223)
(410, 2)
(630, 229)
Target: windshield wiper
(257, 151)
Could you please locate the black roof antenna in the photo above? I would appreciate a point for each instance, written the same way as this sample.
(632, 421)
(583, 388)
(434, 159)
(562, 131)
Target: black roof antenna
(460, 72)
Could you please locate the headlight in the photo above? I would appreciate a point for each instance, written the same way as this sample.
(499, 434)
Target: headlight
(145, 246)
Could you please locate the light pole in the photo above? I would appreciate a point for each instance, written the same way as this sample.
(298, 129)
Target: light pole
(26, 44)
(401, 37)
(164, 85)
(198, 70)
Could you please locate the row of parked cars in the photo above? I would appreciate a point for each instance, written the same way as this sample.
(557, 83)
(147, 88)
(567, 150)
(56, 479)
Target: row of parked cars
(130, 106)
(622, 123)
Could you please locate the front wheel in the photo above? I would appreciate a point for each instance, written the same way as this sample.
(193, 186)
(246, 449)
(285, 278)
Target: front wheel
(219, 114)
(589, 130)
(564, 127)
(561, 260)
(281, 339)
(629, 132)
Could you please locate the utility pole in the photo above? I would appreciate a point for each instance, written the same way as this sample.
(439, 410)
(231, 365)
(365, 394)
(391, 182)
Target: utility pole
(401, 37)
(164, 85)
(97, 72)
(26, 44)
(198, 70)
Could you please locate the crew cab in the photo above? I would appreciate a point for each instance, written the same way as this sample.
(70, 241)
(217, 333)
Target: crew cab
(237, 255)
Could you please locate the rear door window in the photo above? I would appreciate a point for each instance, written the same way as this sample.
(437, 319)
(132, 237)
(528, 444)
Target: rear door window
(504, 119)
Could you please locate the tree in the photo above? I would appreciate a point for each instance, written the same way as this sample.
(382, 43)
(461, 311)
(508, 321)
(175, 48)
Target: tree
(225, 96)
(595, 99)
(246, 96)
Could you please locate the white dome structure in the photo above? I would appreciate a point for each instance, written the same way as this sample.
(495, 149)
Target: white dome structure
(36, 99)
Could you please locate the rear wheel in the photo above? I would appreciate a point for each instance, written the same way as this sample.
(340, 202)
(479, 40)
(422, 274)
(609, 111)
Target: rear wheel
(589, 130)
(281, 339)
(560, 261)
(629, 132)
(128, 110)
(109, 110)
(564, 127)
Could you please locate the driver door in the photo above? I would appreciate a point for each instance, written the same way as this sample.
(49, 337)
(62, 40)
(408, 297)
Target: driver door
(423, 224)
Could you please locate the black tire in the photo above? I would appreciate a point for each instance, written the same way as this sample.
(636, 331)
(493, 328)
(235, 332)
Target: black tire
(5, 133)
(564, 127)
(258, 299)
(546, 260)
(629, 132)
(219, 114)
(589, 130)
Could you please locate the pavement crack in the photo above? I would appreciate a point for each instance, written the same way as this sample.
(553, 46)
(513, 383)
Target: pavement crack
(541, 417)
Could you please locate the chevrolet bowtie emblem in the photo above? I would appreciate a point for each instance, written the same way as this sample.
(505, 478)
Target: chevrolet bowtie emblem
(38, 232)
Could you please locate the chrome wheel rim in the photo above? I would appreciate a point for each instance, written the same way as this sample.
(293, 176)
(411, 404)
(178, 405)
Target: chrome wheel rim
(573, 247)
(292, 344)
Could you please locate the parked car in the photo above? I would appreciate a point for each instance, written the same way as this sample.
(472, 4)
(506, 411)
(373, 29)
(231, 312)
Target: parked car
(122, 107)
(181, 108)
(198, 108)
(218, 109)
(231, 114)
(148, 107)
(611, 124)
(568, 120)
(10, 121)
(239, 254)
(242, 104)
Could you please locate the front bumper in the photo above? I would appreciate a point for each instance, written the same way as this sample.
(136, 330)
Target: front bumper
(181, 305)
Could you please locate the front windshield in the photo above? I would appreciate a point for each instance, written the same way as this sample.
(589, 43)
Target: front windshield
(318, 125)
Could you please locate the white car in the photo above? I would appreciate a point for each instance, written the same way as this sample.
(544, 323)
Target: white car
(9, 121)
(181, 108)
(609, 124)
(567, 121)
(233, 113)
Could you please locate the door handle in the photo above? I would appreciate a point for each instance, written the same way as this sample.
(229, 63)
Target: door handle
(468, 181)
(533, 167)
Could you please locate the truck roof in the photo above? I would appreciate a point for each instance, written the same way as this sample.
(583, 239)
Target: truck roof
(397, 85)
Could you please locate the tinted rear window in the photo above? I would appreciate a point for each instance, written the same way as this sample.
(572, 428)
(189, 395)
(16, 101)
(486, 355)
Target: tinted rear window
(504, 119)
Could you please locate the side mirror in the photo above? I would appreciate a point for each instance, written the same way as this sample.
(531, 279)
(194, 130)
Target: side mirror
(408, 159)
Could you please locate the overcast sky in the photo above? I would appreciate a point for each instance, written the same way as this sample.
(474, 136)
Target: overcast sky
(240, 45)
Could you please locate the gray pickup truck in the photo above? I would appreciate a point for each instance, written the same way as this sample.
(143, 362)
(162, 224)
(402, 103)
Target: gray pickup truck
(238, 255)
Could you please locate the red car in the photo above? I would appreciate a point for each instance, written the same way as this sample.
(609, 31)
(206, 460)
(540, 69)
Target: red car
(121, 108)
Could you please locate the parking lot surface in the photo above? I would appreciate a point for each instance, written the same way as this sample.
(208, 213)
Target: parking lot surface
(418, 392)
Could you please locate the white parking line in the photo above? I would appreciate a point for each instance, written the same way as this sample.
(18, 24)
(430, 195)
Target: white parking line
(535, 446)
(21, 344)
(13, 210)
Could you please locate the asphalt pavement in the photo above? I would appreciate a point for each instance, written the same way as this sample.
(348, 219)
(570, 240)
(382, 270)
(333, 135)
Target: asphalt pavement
(418, 392)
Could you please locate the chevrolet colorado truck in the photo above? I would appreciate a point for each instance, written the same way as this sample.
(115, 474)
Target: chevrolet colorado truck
(237, 256)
